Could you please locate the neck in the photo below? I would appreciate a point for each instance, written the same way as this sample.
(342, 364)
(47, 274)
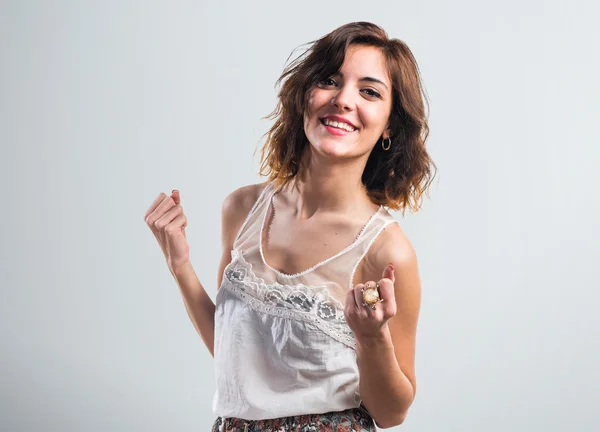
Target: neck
(322, 186)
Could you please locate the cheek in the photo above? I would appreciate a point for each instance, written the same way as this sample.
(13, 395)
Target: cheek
(315, 105)
(318, 99)
(309, 111)
(376, 119)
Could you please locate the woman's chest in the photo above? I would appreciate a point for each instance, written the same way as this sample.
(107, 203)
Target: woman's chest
(293, 246)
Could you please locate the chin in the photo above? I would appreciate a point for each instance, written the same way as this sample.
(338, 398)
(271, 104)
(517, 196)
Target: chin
(332, 148)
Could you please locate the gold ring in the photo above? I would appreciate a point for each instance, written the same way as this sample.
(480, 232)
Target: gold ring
(371, 296)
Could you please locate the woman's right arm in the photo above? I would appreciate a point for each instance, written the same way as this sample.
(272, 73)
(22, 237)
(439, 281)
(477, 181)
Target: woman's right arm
(199, 305)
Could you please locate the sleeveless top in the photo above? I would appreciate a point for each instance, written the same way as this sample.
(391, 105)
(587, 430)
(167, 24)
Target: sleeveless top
(282, 346)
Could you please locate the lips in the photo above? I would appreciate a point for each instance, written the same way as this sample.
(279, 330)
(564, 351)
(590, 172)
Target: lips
(337, 131)
(339, 120)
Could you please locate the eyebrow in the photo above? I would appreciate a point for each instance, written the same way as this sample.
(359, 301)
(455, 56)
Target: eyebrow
(369, 79)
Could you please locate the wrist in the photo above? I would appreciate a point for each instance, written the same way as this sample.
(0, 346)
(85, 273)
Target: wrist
(180, 269)
(381, 339)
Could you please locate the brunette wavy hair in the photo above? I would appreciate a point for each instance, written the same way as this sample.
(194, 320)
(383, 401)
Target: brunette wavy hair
(396, 178)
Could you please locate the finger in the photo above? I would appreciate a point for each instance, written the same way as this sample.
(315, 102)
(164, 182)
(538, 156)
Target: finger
(350, 306)
(386, 284)
(176, 196)
(166, 204)
(176, 225)
(388, 272)
(176, 249)
(185, 222)
(161, 196)
(168, 217)
(358, 297)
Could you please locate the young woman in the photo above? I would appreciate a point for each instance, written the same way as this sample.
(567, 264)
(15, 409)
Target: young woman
(315, 318)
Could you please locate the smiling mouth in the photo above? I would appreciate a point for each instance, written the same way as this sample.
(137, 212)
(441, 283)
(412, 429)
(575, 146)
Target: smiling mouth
(337, 125)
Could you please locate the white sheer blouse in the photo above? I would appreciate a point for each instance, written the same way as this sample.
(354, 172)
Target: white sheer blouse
(282, 345)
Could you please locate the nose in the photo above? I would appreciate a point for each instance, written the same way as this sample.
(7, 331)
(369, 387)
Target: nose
(342, 99)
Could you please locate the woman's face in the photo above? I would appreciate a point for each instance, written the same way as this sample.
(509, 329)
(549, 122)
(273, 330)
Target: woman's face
(348, 112)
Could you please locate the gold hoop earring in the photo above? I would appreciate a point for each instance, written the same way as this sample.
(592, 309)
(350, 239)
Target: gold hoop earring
(389, 144)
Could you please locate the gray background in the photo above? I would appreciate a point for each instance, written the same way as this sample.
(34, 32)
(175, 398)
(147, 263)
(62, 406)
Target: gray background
(105, 104)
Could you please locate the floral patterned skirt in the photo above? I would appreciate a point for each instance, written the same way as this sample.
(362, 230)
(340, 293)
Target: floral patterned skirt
(351, 420)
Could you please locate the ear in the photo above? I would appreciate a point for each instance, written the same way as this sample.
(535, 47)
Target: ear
(388, 131)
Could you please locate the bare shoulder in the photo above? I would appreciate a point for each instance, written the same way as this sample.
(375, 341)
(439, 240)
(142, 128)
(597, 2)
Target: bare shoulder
(236, 207)
(243, 197)
(394, 245)
(391, 246)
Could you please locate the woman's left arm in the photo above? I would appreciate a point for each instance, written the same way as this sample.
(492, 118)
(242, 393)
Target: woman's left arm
(385, 337)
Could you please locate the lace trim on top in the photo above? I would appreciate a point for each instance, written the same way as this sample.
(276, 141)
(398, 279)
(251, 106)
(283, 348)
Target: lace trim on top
(311, 304)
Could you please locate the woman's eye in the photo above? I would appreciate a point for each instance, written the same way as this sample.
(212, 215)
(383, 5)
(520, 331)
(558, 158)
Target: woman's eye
(372, 92)
(328, 81)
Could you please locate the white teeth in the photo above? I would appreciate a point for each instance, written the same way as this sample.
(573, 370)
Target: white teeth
(339, 125)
